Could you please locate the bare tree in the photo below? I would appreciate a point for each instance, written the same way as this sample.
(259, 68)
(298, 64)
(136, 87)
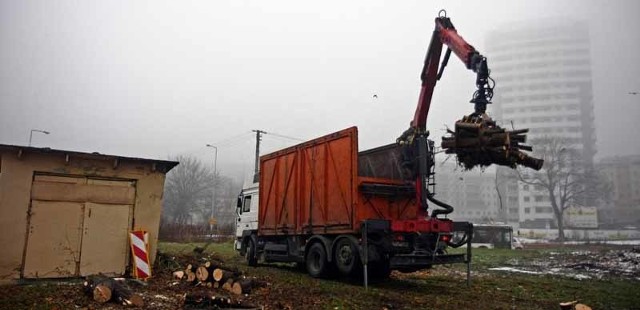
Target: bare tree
(188, 191)
(565, 177)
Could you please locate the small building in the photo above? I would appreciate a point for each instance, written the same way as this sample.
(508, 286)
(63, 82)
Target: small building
(67, 214)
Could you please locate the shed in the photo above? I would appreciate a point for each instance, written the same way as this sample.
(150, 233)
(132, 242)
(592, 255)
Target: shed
(68, 214)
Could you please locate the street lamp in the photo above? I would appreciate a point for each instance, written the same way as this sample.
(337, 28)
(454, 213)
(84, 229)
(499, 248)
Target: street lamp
(36, 130)
(215, 183)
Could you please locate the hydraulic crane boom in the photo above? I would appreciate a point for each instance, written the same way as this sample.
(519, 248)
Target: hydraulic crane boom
(445, 33)
(477, 139)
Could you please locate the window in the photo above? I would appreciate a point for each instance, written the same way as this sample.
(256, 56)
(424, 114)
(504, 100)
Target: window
(526, 199)
(539, 198)
(527, 210)
(246, 207)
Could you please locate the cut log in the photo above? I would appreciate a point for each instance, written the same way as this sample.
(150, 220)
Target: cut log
(191, 277)
(178, 274)
(209, 284)
(216, 284)
(222, 275)
(190, 268)
(242, 286)
(101, 293)
(205, 274)
(105, 289)
(227, 286)
(582, 307)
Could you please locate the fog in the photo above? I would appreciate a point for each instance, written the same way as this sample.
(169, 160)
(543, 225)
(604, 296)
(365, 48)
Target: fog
(160, 78)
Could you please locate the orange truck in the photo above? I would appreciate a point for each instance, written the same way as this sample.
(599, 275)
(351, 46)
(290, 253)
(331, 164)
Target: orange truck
(325, 205)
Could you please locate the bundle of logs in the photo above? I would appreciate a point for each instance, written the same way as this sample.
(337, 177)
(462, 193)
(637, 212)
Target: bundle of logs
(216, 276)
(104, 289)
(478, 141)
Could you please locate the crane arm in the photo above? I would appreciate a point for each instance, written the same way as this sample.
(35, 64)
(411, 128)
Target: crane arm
(477, 139)
(445, 34)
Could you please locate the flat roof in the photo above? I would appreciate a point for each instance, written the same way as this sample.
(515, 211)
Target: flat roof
(161, 165)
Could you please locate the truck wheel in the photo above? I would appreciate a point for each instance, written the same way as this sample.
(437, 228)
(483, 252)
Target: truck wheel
(317, 264)
(250, 255)
(346, 257)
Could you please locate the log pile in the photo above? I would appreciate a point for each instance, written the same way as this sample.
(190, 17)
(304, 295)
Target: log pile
(216, 276)
(104, 289)
(478, 141)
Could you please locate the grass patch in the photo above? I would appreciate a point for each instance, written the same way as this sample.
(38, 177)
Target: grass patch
(444, 287)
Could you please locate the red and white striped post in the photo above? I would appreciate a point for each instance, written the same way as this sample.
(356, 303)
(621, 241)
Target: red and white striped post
(140, 250)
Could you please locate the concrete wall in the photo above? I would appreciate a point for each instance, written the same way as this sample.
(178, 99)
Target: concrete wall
(16, 176)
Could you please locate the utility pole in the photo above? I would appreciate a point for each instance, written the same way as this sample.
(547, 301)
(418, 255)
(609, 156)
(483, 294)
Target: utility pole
(256, 174)
(215, 185)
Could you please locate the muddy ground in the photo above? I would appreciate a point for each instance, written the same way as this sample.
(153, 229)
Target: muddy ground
(605, 277)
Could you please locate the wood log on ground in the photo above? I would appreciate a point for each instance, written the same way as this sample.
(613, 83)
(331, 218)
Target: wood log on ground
(227, 286)
(191, 277)
(216, 284)
(205, 273)
(101, 293)
(105, 289)
(222, 275)
(190, 268)
(242, 286)
(179, 274)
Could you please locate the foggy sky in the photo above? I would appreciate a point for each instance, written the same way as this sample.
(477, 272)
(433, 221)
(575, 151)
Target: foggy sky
(159, 78)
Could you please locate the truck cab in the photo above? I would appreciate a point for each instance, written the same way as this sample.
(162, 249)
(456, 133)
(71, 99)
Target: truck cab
(246, 214)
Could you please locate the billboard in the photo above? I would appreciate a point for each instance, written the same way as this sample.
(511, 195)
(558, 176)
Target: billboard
(581, 217)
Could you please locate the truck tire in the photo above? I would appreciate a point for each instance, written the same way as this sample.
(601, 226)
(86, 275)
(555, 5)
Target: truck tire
(250, 255)
(316, 261)
(347, 257)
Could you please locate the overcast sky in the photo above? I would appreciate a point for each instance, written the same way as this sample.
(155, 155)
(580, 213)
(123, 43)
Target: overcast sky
(160, 78)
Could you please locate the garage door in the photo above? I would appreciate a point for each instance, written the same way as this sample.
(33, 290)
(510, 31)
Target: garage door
(78, 226)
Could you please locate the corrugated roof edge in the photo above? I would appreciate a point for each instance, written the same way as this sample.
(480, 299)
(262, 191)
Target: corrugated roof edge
(164, 165)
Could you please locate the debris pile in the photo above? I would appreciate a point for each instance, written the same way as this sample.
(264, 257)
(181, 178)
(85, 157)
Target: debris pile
(478, 141)
(581, 265)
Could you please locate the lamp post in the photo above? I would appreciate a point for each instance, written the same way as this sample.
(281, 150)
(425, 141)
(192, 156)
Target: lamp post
(215, 183)
(36, 130)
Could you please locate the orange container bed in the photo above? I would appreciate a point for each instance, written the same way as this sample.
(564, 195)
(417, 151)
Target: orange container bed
(324, 186)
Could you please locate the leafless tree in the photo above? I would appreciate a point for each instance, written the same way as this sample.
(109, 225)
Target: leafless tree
(188, 191)
(565, 177)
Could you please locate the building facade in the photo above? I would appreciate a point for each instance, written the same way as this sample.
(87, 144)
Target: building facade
(623, 175)
(472, 194)
(543, 76)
